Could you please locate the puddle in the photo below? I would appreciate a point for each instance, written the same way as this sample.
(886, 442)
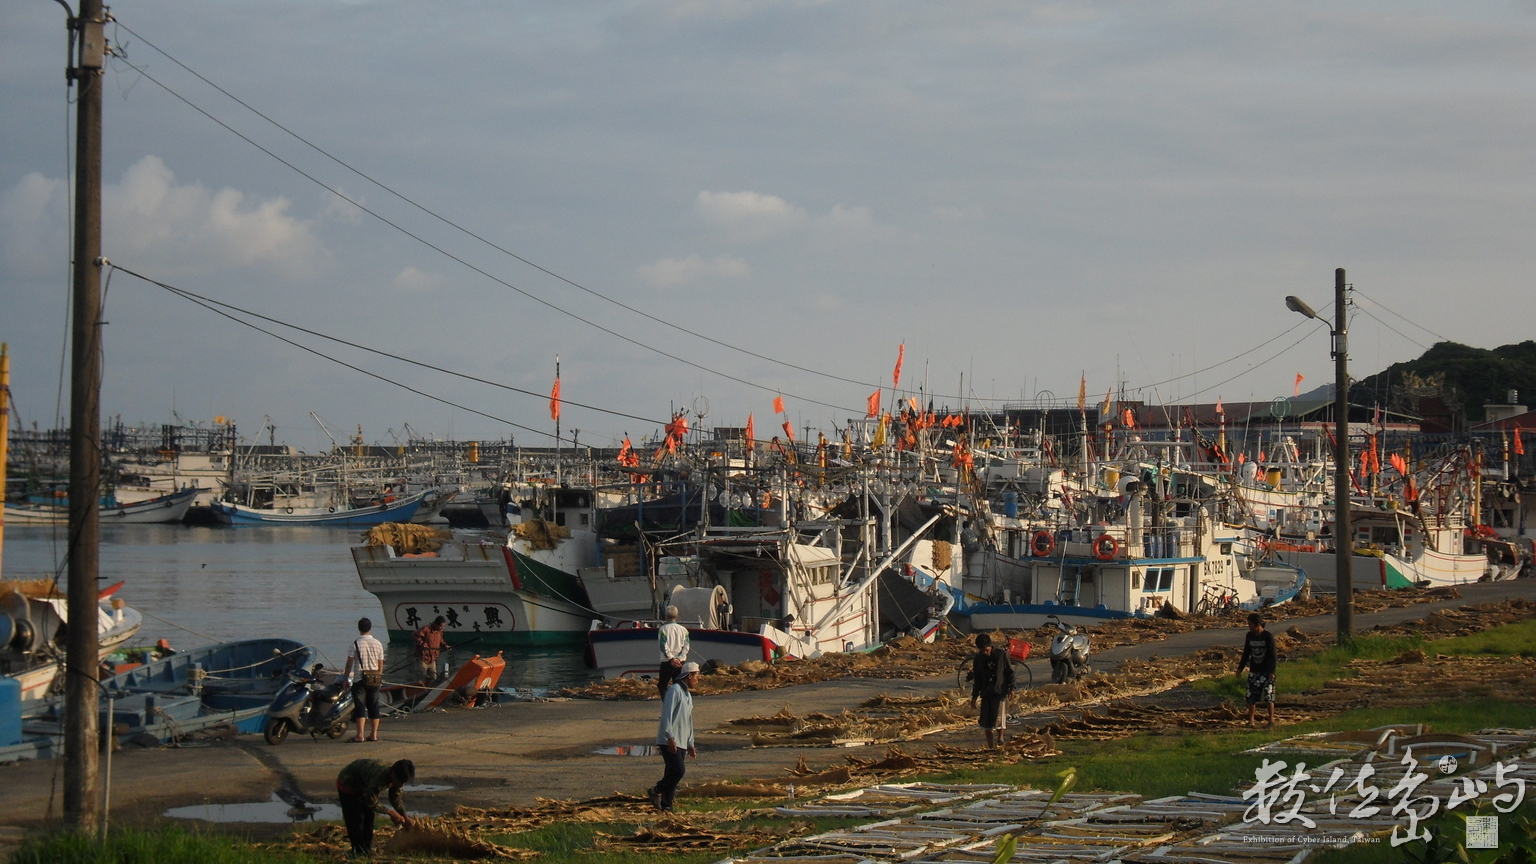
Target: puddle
(629, 750)
(425, 787)
(275, 811)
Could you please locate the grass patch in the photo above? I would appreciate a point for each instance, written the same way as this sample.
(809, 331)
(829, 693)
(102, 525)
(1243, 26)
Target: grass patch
(166, 844)
(1155, 765)
(1311, 673)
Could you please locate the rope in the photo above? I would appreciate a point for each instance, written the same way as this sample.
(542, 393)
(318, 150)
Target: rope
(180, 627)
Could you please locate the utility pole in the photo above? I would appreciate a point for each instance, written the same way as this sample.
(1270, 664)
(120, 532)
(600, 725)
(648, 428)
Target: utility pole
(82, 803)
(1343, 535)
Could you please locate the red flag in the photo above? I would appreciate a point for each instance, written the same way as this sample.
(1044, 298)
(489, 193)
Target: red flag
(751, 433)
(789, 432)
(1130, 419)
(554, 400)
(1519, 445)
(778, 404)
(1297, 390)
(896, 375)
(1218, 406)
(872, 409)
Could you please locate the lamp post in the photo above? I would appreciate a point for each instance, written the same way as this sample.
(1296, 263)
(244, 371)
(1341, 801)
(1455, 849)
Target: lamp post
(1343, 538)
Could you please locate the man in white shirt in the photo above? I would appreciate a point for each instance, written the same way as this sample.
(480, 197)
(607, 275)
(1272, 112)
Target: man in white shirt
(673, 640)
(367, 657)
(674, 735)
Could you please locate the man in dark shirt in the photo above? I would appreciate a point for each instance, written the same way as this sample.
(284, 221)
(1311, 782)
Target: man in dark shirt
(358, 786)
(1259, 657)
(429, 645)
(991, 681)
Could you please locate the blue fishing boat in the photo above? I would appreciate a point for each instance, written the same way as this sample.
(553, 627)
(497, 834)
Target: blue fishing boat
(400, 510)
(179, 695)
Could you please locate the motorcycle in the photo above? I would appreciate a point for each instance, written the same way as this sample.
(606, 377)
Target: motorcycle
(307, 704)
(1069, 653)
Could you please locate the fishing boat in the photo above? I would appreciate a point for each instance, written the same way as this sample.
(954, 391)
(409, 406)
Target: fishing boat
(32, 619)
(178, 695)
(400, 510)
(518, 592)
(170, 507)
(1396, 549)
(1111, 571)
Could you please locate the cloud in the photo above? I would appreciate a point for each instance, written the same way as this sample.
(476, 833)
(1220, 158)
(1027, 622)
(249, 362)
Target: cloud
(958, 214)
(841, 218)
(27, 211)
(411, 279)
(182, 228)
(749, 216)
(677, 272)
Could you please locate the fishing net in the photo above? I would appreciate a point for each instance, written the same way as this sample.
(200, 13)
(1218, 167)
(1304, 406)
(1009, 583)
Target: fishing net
(406, 538)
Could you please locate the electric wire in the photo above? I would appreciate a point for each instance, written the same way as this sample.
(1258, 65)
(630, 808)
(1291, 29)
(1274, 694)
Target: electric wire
(189, 295)
(355, 368)
(1385, 308)
(492, 244)
(1261, 363)
(1368, 314)
(444, 252)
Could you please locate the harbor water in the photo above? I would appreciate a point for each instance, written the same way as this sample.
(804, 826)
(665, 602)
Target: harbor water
(197, 585)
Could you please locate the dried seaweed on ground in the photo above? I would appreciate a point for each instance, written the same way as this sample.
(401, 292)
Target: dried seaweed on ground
(608, 808)
(431, 837)
(675, 835)
(910, 659)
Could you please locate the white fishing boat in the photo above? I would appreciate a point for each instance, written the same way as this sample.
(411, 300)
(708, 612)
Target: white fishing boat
(519, 592)
(171, 507)
(33, 616)
(1396, 549)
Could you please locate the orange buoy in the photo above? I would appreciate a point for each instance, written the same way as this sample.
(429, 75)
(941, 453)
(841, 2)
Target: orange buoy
(1043, 543)
(1106, 547)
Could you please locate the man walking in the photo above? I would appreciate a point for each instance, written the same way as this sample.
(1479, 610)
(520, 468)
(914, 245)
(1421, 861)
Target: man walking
(674, 643)
(429, 646)
(675, 735)
(366, 656)
(358, 786)
(991, 681)
(1259, 657)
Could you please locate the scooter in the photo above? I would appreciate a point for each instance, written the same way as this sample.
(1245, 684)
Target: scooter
(307, 704)
(1069, 653)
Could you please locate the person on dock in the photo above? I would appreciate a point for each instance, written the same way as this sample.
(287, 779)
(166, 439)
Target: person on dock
(1259, 657)
(359, 785)
(429, 646)
(991, 682)
(674, 642)
(674, 734)
(366, 656)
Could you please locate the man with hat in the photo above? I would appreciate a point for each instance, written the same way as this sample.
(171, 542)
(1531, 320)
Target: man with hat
(674, 734)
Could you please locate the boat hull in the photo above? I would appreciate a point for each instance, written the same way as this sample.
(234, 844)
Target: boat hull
(166, 508)
(634, 651)
(398, 511)
(476, 593)
(1369, 572)
(1028, 616)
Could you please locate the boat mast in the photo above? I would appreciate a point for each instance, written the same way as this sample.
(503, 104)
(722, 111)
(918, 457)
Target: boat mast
(81, 804)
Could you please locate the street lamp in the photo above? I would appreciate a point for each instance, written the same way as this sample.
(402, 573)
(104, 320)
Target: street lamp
(1343, 538)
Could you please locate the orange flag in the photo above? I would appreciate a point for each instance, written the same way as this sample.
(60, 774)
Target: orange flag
(1399, 463)
(751, 433)
(778, 404)
(1219, 409)
(1519, 445)
(1296, 391)
(554, 400)
(896, 375)
(872, 408)
(1129, 419)
(789, 432)
(912, 401)
(1082, 393)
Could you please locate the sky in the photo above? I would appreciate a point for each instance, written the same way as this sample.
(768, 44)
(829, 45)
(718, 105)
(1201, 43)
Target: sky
(1023, 194)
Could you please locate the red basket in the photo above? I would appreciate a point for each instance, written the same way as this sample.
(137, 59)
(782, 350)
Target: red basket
(1018, 649)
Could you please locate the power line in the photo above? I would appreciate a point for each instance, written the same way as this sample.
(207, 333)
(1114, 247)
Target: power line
(1384, 308)
(182, 292)
(444, 252)
(1390, 327)
(211, 308)
(457, 227)
(1260, 363)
